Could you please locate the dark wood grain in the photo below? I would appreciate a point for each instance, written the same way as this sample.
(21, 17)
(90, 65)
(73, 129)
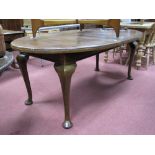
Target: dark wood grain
(12, 24)
(74, 41)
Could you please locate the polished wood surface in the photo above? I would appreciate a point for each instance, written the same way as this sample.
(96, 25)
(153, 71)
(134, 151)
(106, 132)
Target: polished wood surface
(74, 41)
(65, 49)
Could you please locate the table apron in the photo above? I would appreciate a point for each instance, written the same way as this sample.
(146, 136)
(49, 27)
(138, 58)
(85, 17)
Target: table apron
(67, 56)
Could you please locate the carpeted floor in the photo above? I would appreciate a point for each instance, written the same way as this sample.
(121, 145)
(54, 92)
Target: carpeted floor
(102, 102)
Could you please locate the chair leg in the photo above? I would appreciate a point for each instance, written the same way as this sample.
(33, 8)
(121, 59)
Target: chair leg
(106, 56)
(121, 52)
(114, 51)
(139, 55)
(128, 52)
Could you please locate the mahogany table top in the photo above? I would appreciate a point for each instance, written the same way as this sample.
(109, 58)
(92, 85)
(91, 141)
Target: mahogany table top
(74, 41)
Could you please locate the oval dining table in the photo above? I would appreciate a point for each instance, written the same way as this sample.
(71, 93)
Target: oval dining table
(65, 49)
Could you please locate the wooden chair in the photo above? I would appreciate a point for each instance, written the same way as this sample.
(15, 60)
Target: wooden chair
(147, 46)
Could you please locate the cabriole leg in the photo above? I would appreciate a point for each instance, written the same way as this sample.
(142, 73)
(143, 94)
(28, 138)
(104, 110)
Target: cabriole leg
(22, 62)
(65, 72)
